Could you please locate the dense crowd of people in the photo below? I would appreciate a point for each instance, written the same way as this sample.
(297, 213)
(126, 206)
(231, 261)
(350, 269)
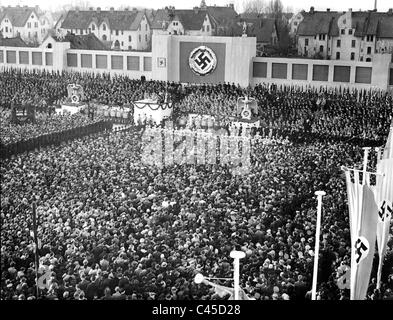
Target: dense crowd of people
(111, 227)
(44, 124)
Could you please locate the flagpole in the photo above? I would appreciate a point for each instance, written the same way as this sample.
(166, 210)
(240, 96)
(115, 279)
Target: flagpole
(319, 195)
(365, 160)
(36, 247)
(237, 255)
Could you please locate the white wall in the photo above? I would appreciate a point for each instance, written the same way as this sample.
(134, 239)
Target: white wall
(379, 77)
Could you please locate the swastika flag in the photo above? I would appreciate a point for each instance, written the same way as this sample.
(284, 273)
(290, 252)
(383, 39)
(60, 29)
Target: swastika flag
(363, 215)
(384, 197)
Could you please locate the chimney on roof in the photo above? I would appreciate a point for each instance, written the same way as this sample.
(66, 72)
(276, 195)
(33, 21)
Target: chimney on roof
(350, 10)
(196, 10)
(91, 8)
(375, 5)
(126, 9)
(18, 6)
(231, 5)
(312, 10)
(328, 10)
(135, 9)
(99, 9)
(112, 9)
(390, 11)
(77, 9)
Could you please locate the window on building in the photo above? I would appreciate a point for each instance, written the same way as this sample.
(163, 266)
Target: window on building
(350, 31)
(93, 26)
(117, 32)
(306, 42)
(145, 27)
(36, 34)
(295, 23)
(368, 60)
(129, 48)
(81, 31)
(342, 31)
(368, 50)
(28, 34)
(104, 37)
(122, 43)
(337, 55)
(320, 48)
(89, 30)
(122, 33)
(35, 24)
(315, 37)
(207, 28)
(140, 38)
(203, 28)
(104, 27)
(146, 37)
(6, 29)
(129, 38)
(370, 38)
(352, 55)
(353, 43)
(338, 43)
(29, 25)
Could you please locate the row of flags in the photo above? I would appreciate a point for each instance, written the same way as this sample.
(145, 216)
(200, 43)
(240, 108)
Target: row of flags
(370, 212)
(360, 94)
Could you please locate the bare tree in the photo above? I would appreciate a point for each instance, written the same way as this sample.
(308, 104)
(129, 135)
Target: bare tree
(275, 8)
(254, 6)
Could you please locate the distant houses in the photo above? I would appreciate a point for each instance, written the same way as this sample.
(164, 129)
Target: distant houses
(350, 35)
(28, 23)
(122, 30)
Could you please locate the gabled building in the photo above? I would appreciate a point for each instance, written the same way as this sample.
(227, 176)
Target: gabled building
(316, 31)
(345, 35)
(23, 22)
(203, 20)
(123, 30)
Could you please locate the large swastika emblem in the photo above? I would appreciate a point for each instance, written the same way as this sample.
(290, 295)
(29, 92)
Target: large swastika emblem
(361, 249)
(202, 60)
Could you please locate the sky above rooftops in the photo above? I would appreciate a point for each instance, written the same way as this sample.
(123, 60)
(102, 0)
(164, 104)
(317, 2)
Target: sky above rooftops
(296, 5)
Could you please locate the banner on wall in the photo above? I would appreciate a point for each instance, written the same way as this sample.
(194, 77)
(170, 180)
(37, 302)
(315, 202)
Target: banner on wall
(202, 62)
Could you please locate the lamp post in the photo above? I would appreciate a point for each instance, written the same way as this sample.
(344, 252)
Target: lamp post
(236, 255)
(319, 195)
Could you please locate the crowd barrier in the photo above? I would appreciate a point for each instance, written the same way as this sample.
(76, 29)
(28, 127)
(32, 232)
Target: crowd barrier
(54, 138)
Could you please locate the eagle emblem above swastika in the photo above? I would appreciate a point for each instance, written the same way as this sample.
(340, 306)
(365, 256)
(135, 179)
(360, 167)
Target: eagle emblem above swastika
(202, 60)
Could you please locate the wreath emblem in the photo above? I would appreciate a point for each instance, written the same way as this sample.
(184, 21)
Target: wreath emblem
(75, 98)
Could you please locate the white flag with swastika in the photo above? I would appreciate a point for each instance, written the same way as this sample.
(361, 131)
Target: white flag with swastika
(384, 198)
(363, 214)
